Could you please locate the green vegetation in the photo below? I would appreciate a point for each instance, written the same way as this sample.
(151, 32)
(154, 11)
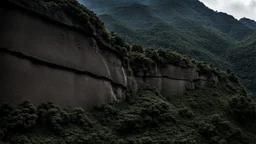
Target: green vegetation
(244, 60)
(216, 114)
(187, 27)
(221, 113)
(194, 31)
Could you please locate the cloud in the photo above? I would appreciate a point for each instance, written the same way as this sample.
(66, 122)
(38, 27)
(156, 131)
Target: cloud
(237, 8)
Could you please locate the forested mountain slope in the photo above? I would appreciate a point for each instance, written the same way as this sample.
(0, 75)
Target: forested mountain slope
(244, 59)
(186, 26)
(217, 111)
(248, 22)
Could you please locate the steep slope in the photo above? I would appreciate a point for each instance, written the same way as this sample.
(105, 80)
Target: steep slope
(186, 26)
(152, 31)
(212, 108)
(118, 27)
(248, 22)
(244, 60)
(213, 115)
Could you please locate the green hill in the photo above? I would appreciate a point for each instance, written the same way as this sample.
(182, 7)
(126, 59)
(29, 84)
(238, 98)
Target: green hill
(244, 60)
(152, 31)
(186, 26)
(219, 113)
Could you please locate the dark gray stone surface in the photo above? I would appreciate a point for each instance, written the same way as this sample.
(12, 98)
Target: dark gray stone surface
(21, 79)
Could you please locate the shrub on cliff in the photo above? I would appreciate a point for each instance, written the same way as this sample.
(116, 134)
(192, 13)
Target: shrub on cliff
(141, 64)
(233, 77)
(118, 41)
(154, 55)
(137, 48)
(22, 117)
(172, 57)
(205, 68)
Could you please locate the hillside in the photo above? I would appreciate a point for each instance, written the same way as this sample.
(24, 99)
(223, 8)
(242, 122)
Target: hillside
(149, 30)
(136, 95)
(186, 26)
(244, 60)
(213, 115)
(248, 22)
(184, 22)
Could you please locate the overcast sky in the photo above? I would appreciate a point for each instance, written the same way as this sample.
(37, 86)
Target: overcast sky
(237, 8)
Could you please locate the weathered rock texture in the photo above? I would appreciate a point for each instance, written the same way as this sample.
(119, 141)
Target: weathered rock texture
(43, 60)
(175, 80)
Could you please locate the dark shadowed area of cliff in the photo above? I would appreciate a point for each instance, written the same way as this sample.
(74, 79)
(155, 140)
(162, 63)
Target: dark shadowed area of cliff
(211, 105)
(186, 26)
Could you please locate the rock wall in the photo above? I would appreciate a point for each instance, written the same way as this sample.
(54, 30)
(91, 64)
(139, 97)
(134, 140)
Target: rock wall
(173, 81)
(46, 59)
(42, 60)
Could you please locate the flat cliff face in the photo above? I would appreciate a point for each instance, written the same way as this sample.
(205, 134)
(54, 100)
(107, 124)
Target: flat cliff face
(173, 80)
(43, 59)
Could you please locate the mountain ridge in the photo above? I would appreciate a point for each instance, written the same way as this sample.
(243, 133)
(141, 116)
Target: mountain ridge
(165, 97)
(189, 27)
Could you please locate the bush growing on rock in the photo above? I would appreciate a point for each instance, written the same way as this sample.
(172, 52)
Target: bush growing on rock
(233, 77)
(118, 41)
(205, 68)
(154, 55)
(137, 48)
(141, 64)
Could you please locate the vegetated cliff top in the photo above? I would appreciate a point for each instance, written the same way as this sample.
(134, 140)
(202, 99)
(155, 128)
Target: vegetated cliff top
(68, 12)
(186, 26)
(172, 25)
(72, 13)
(219, 113)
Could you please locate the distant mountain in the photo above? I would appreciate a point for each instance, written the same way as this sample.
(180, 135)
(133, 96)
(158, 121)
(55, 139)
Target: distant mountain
(248, 22)
(187, 26)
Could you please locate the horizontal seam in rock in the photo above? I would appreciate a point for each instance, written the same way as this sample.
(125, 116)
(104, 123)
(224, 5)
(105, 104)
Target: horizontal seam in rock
(56, 66)
(163, 77)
